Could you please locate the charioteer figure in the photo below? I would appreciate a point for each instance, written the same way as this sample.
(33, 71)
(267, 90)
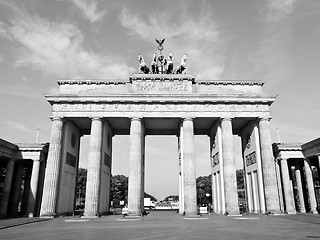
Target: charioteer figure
(161, 65)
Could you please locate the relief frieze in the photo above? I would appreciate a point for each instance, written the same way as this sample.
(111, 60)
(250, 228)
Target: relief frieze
(158, 107)
(162, 86)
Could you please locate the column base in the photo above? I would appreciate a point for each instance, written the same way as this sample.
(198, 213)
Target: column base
(192, 216)
(90, 215)
(134, 214)
(47, 215)
(291, 212)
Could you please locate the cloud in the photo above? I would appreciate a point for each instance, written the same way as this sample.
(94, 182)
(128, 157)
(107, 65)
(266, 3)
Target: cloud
(198, 36)
(1, 58)
(271, 59)
(277, 10)
(288, 132)
(57, 48)
(20, 89)
(18, 126)
(91, 9)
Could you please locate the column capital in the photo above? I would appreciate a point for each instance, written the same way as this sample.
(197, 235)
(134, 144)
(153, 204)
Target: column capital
(265, 118)
(96, 119)
(188, 119)
(12, 160)
(36, 160)
(57, 119)
(136, 119)
(225, 119)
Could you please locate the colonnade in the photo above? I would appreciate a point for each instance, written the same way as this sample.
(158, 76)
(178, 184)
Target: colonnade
(94, 189)
(22, 186)
(259, 169)
(298, 184)
(260, 178)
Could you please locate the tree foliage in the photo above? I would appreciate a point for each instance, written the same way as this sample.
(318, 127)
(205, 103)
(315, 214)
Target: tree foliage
(240, 178)
(152, 198)
(119, 188)
(171, 198)
(81, 185)
(203, 189)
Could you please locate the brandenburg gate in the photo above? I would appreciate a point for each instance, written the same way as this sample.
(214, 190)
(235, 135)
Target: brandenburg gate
(161, 103)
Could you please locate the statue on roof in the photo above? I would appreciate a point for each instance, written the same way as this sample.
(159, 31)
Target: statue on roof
(182, 69)
(160, 42)
(169, 64)
(143, 68)
(162, 65)
(154, 64)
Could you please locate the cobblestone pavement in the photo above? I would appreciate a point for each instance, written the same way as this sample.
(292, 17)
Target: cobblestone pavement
(170, 225)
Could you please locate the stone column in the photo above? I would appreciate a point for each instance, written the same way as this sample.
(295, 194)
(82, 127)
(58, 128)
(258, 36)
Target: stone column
(6, 188)
(94, 170)
(16, 188)
(230, 181)
(189, 168)
(33, 188)
(52, 175)
(268, 168)
(311, 193)
(287, 187)
(249, 191)
(214, 192)
(259, 171)
(219, 193)
(135, 187)
(300, 188)
(254, 192)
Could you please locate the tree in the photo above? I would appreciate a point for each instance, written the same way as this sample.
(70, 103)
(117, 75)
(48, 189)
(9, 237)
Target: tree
(240, 179)
(203, 189)
(152, 198)
(81, 186)
(118, 191)
(119, 188)
(172, 198)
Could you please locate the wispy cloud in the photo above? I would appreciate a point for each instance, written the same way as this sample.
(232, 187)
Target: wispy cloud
(57, 48)
(271, 60)
(21, 89)
(18, 126)
(288, 132)
(92, 10)
(277, 10)
(199, 37)
(1, 58)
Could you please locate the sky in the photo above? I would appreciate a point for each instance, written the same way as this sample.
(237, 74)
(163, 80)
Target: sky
(275, 41)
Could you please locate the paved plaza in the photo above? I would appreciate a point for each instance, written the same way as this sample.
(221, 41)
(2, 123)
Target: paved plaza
(170, 225)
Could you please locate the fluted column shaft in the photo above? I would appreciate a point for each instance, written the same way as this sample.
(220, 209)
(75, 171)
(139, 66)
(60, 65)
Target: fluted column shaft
(230, 181)
(287, 187)
(189, 168)
(51, 182)
(16, 189)
(268, 167)
(94, 169)
(136, 188)
(311, 193)
(214, 192)
(6, 188)
(33, 188)
(300, 188)
(255, 192)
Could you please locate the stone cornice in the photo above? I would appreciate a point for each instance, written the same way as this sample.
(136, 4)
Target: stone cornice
(90, 82)
(161, 98)
(161, 77)
(230, 82)
(158, 77)
(288, 146)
